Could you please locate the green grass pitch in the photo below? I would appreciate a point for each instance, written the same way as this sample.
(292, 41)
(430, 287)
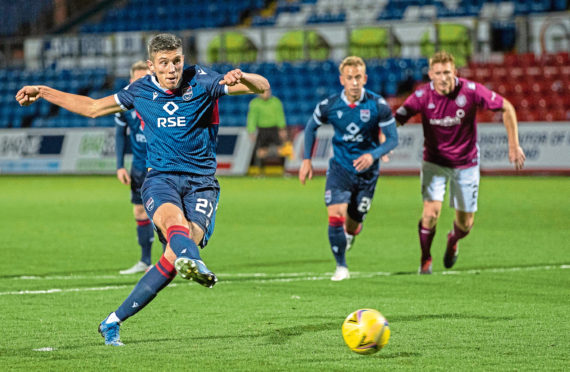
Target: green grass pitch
(504, 307)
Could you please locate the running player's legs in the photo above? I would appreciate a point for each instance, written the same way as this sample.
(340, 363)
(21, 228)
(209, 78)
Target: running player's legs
(337, 196)
(145, 229)
(464, 189)
(360, 203)
(433, 181)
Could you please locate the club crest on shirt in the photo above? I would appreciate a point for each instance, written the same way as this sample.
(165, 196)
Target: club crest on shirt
(431, 106)
(187, 93)
(460, 100)
(364, 115)
(419, 93)
(339, 114)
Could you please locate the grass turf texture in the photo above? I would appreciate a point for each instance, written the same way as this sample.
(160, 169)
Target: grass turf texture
(504, 307)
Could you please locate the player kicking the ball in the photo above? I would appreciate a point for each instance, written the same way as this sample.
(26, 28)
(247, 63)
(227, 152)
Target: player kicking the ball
(448, 106)
(179, 109)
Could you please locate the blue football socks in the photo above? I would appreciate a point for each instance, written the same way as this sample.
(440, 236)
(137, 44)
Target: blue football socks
(337, 239)
(178, 237)
(155, 279)
(145, 235)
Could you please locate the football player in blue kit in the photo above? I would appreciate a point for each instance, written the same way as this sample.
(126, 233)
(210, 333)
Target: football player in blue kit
(179, 110)
(128, 129)
(357, 116)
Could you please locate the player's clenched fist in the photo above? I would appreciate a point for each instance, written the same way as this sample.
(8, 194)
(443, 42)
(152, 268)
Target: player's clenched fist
(27, 95)
(233, 77)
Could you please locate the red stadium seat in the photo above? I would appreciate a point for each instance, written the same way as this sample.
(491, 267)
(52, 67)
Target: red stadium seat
(482, 74)
(557, 114)
(521, 87)
(563, 58)
(466, 73)
(499, 73)
(502, 89)
(536, 88)
(516, 73)
(511, 60)
(550, 72)
(533, 72)
(526, 59)
(525, 103)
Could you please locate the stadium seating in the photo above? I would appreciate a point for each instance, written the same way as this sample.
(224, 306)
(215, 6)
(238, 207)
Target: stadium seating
(146, 16)
(539, 91)
(300, 12)
(538, 86)
(312, 82)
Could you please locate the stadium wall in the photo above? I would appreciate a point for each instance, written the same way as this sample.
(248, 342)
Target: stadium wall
(544, 33)
(92, 151)
(546, 145)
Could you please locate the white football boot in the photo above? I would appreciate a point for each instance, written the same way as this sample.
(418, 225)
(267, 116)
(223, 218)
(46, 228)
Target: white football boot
(340, 273)
(139, 267)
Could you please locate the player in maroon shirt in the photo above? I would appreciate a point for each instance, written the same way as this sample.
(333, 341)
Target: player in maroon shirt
(448, 106)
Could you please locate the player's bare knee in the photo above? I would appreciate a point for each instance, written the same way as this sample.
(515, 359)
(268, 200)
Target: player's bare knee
(168, 215)
(139, 212)
(465, 221)
(430, 216)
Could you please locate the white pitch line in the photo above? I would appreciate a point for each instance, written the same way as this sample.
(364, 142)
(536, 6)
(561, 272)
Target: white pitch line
(260, 278)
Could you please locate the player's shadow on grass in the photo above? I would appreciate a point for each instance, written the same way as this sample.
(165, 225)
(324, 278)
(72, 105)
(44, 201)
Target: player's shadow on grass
(277, 335)
(260, 265)
(419, 318)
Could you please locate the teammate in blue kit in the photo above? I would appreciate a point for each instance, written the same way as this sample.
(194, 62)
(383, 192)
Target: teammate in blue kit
(129, 128)
(179, 110)
(357, 115)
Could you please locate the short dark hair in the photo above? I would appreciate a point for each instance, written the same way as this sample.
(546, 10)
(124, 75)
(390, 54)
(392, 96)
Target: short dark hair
(161, 42)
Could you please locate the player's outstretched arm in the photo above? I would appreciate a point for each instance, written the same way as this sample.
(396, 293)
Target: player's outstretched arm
(81, 105)
(516, 153)
(240, 82)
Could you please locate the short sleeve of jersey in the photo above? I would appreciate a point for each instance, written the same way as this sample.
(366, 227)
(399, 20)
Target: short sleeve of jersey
(126, 96)
(384, 113)
(210, 80)
(411, 106)
(486, 98)
(320, 115)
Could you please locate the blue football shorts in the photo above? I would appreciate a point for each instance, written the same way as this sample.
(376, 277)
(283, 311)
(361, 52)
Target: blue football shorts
(357, 191)
(137, 180)
(463, 185)
(197, 197)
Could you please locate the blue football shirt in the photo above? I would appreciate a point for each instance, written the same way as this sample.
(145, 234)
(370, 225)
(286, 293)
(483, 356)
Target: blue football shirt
(129, 120)
(356, 126)
(180, 126)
